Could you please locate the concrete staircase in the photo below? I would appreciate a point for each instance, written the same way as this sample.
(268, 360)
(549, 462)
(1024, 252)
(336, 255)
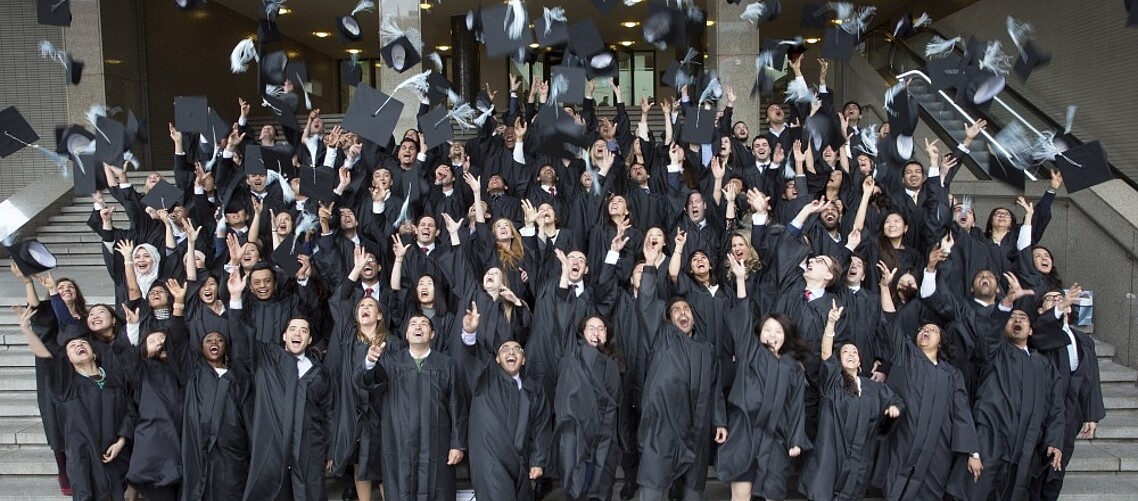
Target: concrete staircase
(1103, 469)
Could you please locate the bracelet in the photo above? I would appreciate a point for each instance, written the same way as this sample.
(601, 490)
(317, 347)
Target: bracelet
(179, 306)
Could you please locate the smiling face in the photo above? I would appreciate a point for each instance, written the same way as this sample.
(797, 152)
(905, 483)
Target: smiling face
(819, 269)
(263, 284)
(761, 148)
(596, 333)
(368, 313)
(425, 290)
(830, 217)
(143, 261)
(503, 230)
(79, 351)
(638, 174)
(1001, 219)
(775, 114)
(426, 231)
(152, 179)
(914, 176)
(99, 319)
(964, 216)
(546, 215)
(1018, 328)
(511, 358)
(250, 255)
(282, 224)
(297, 336)
(850, 358)
(419, 331)
(700, 264)
(598, 149)
(790, 191)
(1041, 258)
(654, 238)
(695, 206)
(156, 346)
(680, 314)
(546, 175)
(371, 268)
(856, 274)
(864, 164)
(214, 347)
(618, 206)
(208, 292)
(772, 335)
(738, 247)
(444, 176)
(66, 290)
(407, 151)
(381, 178)
(577, 266)
(984, 284)
(894, 226)
(928, 337)
(492, 280)
(739, 130)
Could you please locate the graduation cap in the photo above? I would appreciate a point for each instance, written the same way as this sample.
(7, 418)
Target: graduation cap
(372, 114)
(825, 130)
(474, 21)
(699, 126)
(72, 139)
(1030, 58)
(1003, 169)
(189, 4)
(585, 39)
(53, 12)
(348, 27)
(555, 130)
(498, 41)
(400, 55)
(761, 12)
(318, 183)
(73, 67)
(278, 158)
(902, 110)
(572, 91)
(435, 125)
(664, 26)
(946, 72)
(31, 257)
(267, 32)
(163, 196)
(285, 256)
(351, 73)
(191, 114)
(981, 86)
(283, 111)
(87, 172)
(297, 73)
(1084, 166)
(15, 132)
(110, 141)
(216, 128)
(838, 44)
(603, 65)
(273, 67)
(552, 28)
(815, 15)
(778, 49)
(438, 89)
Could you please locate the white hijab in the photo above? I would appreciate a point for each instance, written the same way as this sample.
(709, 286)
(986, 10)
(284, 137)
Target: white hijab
(145, 280)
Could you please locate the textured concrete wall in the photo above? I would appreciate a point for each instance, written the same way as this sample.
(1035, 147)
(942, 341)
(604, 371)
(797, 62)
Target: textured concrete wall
(37, 87)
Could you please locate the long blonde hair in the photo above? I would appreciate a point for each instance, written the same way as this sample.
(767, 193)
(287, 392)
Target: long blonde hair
(511, 254)
(752, 263)
(381, 331)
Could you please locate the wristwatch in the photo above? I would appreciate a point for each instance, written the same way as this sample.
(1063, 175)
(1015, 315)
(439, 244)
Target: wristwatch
(975, 455)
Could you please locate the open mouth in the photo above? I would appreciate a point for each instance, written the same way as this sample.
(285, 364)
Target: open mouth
(214, 351)
(511, 359)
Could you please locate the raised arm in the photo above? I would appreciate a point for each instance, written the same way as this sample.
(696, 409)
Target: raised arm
(126, 249)
(676, 261)
(828, 333)
(35, 344)
(399, 249)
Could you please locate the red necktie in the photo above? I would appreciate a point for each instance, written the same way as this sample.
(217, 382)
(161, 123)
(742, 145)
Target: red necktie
(369, 291)
(808, 295)
(424, 249)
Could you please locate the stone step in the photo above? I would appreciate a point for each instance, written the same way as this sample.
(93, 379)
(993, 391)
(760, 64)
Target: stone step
(16, 356)
(20, 404)
(1110, 372)
(88, 237)
(22, 432)
(64, 228)
(31, 487)
(119, 218)
(1119, 396)
(73, 260)
(1104, 456)
(17, 379)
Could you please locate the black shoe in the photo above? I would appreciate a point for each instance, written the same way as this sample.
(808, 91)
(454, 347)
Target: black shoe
(542, 488)
(628, 491)
(350, 493)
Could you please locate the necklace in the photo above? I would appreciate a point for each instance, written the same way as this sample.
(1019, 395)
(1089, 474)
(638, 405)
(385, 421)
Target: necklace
(100, 379)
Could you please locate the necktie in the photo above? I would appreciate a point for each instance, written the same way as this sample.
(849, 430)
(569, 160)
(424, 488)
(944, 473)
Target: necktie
(369, 291)
(424, 249)
(552, 191)
(808, 295)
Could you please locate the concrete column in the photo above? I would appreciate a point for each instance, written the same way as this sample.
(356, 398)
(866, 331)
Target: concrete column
(84, 40)
(465, 54)
(406, 15)
(733, 45)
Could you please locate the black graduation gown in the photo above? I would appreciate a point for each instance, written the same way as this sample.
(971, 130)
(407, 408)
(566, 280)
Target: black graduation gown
(290, 420)
(849, 432)
(271, 316)
(91, 419)
(425, 416)
(586, 404)
(510, 430)
(766, 416)
(215, 425)
(914, 461)
(863, 314)
(1019, 414)
(156, 460)
(46, 325)
(1082, 387)
(682, 400)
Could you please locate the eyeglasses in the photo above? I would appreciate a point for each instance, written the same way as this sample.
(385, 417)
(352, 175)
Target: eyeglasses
(511, 349)
(1002, 213)
(596, 328)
